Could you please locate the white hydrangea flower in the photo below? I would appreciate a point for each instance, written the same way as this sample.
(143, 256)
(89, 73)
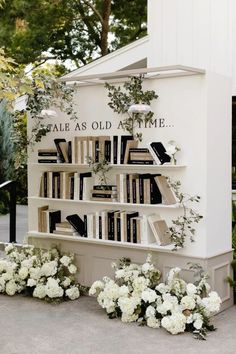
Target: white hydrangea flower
(49, 269)
(119, 273)
(96, 286)
(40, 291)
(191, 289)
(174, 323)
(28, 263)
(140, 284)
(65, 260)
(35, 273)
(146, 267)
(53, 289)
(2, 285)
(197, 320)
(188, 302)
(23, 273)
(129, 318)
(9, 248)
(211, 303)
(73, 293)
(123, 291)
(149, 295)
(128, 305)
(162, 288)
(72, 269)
(153, 322)
(150, 311)
(66, 282)
(3, 265)
(31, 282)
(11, 288)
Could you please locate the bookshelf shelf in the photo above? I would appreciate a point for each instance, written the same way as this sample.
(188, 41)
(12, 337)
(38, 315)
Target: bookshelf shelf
(172, 206)
(147, 247)
(71, 166)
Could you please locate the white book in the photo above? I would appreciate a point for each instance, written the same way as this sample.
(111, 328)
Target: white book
(104, 224)
(49, 175)
(79, 152)
(160, 229)
(87, 187)
(97, 214)
(76, 185)
(90, 225)
(90, 149)
(123, 231)
(122, 189)
(118, 149)
(85, 152)
(144, 230)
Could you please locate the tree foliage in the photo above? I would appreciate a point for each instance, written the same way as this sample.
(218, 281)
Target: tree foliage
(78, 30)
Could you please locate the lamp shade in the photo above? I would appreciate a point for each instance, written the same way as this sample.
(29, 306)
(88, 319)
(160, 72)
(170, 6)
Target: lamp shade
(139, 108)
(48, 113)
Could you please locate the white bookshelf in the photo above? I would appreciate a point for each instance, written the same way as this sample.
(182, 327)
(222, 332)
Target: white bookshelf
(190, 110)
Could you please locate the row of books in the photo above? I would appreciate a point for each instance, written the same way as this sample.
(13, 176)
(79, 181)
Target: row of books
(144, 188)
(134, 188)
(114, 149)
(66, 185)
(113, 225)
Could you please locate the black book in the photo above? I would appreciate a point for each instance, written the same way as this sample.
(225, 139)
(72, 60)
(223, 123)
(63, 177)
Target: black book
(128, 189)
(141, 187)
(134, 191)
(72, 186)
(70, 151)
(47, 153)
(54, 218)
(107, 154)
(81, 186)
(134, 221)
(100, 227)
(115, 149)
(158, 151)
(100, 195)
(156, 196)
(129, 216)
(141, 162)
(96, 150)
(77, 223)
(45, 184)
(85, 226)
(47, 161)
(124, 139)
(54, 176)
(60, 153)
(110, 218)
(110, 187)
(139, 150)
(118, 228)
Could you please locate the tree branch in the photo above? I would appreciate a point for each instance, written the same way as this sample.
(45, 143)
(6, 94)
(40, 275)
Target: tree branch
(94, 10)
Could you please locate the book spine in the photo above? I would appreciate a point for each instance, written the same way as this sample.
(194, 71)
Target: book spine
(72, 186)
(134, 190)
(45, 184)
(96, 150)
(128, 189)
(118, 229)
(69, 151)
(134, 223)
(100, 227)
(85, 226)
(115, 148)
(49, 154)
(141, 162)
(47, 161)
(100, 195)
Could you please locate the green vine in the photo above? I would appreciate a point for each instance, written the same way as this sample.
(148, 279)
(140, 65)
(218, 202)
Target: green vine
(100, 169)
(122, 98)
(48, 92)
(183, 226)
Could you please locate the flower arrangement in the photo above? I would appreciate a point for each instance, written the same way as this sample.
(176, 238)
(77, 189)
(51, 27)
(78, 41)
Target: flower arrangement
(43, 274)
(137, 295)
(171, 149)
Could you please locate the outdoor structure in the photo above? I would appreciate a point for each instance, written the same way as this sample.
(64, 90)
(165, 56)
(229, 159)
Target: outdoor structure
(193, 108)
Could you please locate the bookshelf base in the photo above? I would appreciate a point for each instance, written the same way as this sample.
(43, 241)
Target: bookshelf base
(94, 258)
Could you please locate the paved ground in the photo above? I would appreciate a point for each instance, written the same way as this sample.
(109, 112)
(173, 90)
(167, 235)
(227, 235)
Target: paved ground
(21, 225)
(30, 326)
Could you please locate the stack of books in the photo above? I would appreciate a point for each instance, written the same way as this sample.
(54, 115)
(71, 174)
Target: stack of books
(47, 156)
(66, 185)
(65, 228)
(47, 219)
(107, 193)
(140, 156)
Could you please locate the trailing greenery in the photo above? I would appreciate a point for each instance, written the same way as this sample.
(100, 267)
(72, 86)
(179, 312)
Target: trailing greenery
(183, 226)
(121, 99)
(48, 92)
(100, 169)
